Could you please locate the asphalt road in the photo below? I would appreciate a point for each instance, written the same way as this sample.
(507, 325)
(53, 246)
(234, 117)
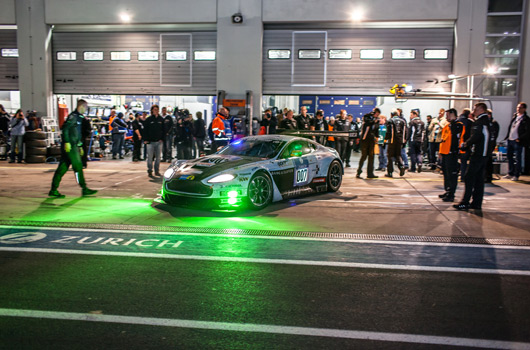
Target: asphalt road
(105, 289)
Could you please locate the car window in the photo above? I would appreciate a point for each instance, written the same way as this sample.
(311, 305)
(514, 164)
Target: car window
(253, 148)
(297, 148)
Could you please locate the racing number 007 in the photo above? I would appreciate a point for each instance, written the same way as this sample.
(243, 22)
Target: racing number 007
(301, 175)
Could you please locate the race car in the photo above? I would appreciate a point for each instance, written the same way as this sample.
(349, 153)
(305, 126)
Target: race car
(254, 171)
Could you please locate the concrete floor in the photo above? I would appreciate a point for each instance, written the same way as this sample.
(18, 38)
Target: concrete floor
(399, 206)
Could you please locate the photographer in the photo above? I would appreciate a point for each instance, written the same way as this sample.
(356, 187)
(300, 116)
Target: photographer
(199, 132)
(184, 135)
(18, 129)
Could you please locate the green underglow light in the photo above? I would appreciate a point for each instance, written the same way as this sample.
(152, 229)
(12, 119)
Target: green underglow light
(232, 201)
(232, 194)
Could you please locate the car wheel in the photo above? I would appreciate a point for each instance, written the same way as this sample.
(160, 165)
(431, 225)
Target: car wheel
(334, 176)
(259, 192)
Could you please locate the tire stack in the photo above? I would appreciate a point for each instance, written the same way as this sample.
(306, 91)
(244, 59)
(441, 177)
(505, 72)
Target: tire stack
(35, 146)
(54, 154)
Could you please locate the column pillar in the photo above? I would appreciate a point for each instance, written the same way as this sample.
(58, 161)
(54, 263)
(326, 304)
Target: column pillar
(35, 61)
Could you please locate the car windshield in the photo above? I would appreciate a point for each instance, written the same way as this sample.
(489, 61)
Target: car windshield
(254, 148)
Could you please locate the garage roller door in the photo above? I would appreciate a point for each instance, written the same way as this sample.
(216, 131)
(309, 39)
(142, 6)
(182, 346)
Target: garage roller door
(8, 65)
(394, 56)
(134, 63)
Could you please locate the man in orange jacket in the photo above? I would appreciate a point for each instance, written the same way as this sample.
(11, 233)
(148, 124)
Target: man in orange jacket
(222, 129)
(452, 140)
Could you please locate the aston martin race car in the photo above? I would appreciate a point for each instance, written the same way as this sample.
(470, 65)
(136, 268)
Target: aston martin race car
(254, 171)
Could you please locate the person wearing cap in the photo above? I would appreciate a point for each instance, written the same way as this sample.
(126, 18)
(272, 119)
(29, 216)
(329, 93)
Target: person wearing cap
(119, 128)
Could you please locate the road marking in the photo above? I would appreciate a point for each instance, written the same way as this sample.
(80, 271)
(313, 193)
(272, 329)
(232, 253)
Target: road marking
(234, 235)
(271, 329)
(272, 261)
(119, 183)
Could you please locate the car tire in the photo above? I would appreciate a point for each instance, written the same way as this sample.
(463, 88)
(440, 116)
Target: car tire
(34, 135)
(36, 151)
(35, 159)
(259, 191)
(36, 143)
(334, 178)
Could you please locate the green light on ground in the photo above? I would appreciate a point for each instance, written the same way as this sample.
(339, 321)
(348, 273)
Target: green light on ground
(232, 201)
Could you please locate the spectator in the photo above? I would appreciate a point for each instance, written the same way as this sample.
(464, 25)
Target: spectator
(435, 137)
(452, 139)
(169, 132)
(383, 158)
(369, 137)
(199, 132)
(288, 122)
(153, 137)
(319, 124)
(465, 118)
(130, 121)
(396, 136)
(184, 135)
(331, 127)
(350, 143)
(494, 128)
(303, 120)
(119, 128)
(357, 127)
(425, 148)
(86, 135)
(34, 122)
(4, 121)
(18, 129)
(138, 129)
(403, 150)
(416, 136)
(518, 137)
(342, 124)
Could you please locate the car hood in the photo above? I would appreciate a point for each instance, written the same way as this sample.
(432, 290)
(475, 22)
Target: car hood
(205, 167)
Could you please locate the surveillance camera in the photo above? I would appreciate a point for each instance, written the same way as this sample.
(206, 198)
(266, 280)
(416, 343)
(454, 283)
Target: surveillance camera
(237, 18)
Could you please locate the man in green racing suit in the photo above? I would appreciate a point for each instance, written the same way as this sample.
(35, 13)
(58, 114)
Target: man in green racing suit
(72, 151)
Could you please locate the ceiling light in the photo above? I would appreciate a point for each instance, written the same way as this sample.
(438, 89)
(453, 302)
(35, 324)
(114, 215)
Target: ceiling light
(125, 17)
(357, 15)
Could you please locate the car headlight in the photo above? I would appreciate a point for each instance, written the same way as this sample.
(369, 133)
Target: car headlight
(222, 178)
(169, 173)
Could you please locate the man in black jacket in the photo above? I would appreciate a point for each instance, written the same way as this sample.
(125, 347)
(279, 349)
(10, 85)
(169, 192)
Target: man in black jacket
(464, 118)
(138, 129)
(478, 147)
(154, 137)
(184, 135)
(495, 127)
(518, 137)
(199, 132)
(169, 134)
(71, 151)
(369, 136)
(396, 136)
(416, 138)
(341, 142)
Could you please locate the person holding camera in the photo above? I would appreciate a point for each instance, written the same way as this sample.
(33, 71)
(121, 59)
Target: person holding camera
(369, 137)
(18, 129)
(184, 135)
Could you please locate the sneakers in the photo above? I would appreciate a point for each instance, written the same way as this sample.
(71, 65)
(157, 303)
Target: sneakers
(402, 171)
(442, 196)
(419, 169)
(348, 165)
(372, 177)
(515, 178)
(461, 206)
(507, 177)
(150, 173)
(88, 192)
(448, 198)
(157, 173)
(358, 176)
(56, 194)
(388, 175)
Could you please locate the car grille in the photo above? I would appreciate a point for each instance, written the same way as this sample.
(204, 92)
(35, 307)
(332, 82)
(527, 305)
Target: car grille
(189, 187)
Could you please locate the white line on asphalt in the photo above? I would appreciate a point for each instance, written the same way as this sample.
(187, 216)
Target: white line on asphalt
(289, 238)
(273, 261)
(270, 329)
(353, 201)
(119, 183)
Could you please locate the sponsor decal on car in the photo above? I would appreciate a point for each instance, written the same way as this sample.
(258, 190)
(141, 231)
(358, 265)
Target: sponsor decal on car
(319, 180)
(187, 177)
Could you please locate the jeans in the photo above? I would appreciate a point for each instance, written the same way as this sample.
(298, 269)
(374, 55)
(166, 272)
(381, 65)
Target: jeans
(515, 158)
(168, 147)
(17, 141)
(153, 151)
(416, 158)
(383, 157)
(200, 146)
(117, 144)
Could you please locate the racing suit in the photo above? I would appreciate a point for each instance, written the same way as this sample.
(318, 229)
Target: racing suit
(416, 138)
(72, 134)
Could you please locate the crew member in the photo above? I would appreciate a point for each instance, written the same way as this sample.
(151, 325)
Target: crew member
(342, 124)
(416, 138)
(72, 151)
(319, 124)
(222, 129)
(494, 127)
(288, 122)
(153, 137)
(478, 147)
(396, 136)
(452, 140)
(369, 137)
(138, 128)
(303, 120)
